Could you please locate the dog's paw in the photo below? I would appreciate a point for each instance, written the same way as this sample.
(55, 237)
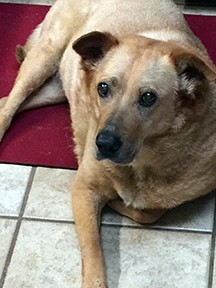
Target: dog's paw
(96, 283)
(2, 102)
(2, 130)
(4, 123)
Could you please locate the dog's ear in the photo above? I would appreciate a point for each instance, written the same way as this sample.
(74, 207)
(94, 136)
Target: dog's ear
(93, 46)
(195, 76)
(193, 71)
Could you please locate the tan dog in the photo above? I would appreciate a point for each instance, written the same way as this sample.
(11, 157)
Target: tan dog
(141, 90)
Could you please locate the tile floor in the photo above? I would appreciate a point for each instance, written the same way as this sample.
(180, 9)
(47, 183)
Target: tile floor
(39, 247)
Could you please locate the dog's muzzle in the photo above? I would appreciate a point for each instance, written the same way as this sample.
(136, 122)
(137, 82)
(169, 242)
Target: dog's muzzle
(108, 145)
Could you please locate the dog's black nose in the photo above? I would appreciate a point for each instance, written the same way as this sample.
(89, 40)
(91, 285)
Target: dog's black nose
(108, 144)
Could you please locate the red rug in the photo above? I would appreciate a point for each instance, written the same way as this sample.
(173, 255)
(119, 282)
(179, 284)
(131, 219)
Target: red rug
(43, 136)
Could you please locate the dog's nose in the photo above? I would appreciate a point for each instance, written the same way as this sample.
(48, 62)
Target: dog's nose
(108, 144)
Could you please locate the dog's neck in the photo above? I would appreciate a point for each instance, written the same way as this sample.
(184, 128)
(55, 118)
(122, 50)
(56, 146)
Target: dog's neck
(176, 36)
(163, 35)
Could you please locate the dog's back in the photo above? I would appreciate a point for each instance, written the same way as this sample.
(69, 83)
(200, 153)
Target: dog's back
(161, 20)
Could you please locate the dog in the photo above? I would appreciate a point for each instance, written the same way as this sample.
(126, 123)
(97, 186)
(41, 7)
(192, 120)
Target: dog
(141, 89)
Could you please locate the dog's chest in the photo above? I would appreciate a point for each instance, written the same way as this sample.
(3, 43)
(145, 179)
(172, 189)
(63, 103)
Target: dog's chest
(152, 193)
(141, 193)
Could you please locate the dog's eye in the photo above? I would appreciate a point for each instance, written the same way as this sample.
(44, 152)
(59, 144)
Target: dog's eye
(103, 89)
(147, 99)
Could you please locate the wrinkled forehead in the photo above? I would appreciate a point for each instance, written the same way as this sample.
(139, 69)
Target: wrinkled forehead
(138, 66)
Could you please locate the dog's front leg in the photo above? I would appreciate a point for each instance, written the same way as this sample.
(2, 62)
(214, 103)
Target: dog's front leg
(87, 205)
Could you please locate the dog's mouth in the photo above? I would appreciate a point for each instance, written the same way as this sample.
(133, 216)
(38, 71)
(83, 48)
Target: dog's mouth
(110, 146)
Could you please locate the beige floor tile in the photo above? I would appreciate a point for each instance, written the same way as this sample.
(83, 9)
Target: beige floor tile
(14, 179)
(50, 195)
(187, 10)
(197, 215)
(144, 258)
(211, 11)
(7, 228)
(42, 2)
(46, 255)
(214, 270)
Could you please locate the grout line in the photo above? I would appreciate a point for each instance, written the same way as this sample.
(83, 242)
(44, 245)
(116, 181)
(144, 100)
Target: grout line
(212, 252)
(38, 165)
(47, 220)
(9, 217)
(28, 189)
(116, 225)
(17, 229)
(157, 228)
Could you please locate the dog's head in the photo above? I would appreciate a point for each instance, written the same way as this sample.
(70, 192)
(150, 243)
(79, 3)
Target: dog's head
(145, 89)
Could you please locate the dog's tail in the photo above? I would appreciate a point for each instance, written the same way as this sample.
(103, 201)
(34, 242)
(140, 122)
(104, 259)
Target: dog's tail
(20, 53)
